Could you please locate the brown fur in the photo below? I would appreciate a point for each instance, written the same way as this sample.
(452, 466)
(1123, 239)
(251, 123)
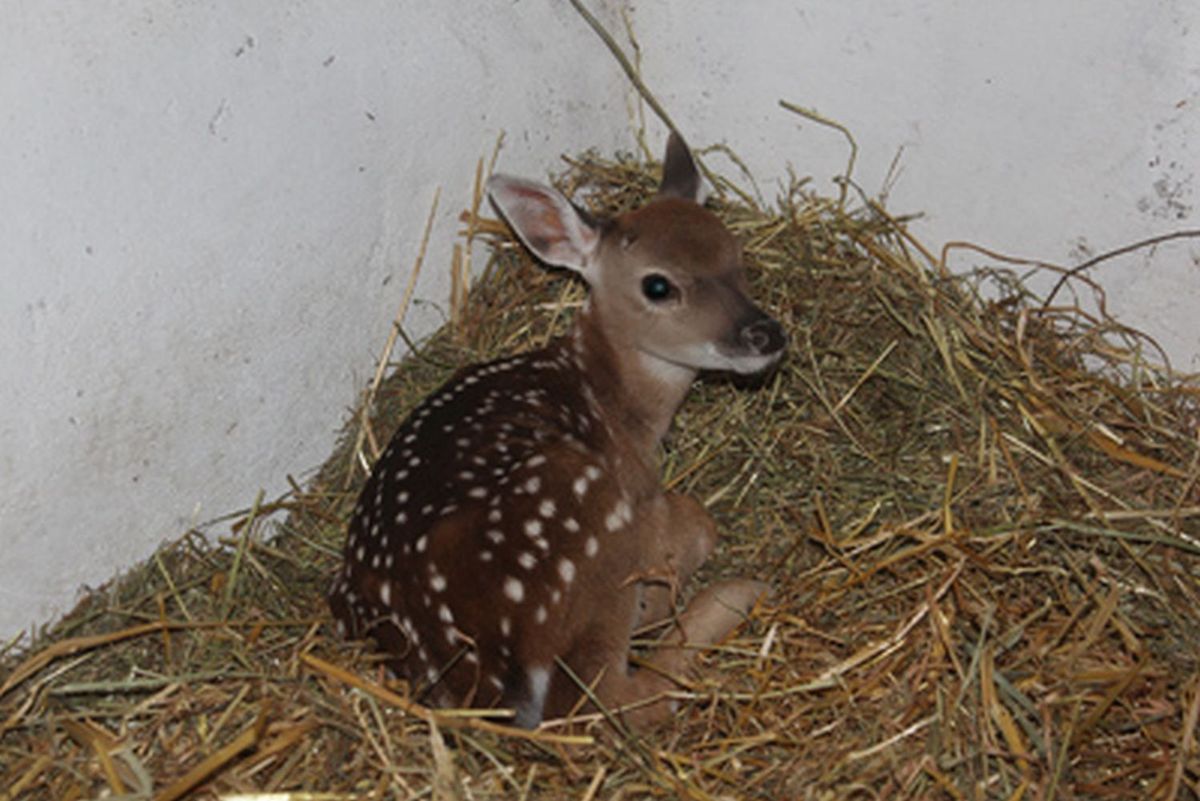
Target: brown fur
(517, 518)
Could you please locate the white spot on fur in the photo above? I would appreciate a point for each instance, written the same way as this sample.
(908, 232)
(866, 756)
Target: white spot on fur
(527, 560)
(619, 517)
(566, 570)
(437, 583)
(612, 521)
(514, 590)
(533, 528)
(547, 508)
(592, 546)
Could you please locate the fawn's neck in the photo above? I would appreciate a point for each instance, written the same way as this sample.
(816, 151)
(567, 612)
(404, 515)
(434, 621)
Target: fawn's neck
(638, 393)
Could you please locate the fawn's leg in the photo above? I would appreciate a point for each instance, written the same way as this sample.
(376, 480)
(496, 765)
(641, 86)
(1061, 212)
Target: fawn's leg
(605, 653)
(680, 535)
(712, 614)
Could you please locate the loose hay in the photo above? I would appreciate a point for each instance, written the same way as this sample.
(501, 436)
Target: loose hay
(979, 517)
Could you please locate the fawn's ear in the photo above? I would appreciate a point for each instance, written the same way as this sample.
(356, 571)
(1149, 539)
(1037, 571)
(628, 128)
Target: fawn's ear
(681, 177)
(557, 232)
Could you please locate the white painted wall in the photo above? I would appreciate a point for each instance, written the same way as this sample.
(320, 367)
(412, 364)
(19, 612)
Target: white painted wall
(1042, 128)
(208, 211)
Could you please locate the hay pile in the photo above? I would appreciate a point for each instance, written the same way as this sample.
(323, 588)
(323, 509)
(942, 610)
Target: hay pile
(980, 518)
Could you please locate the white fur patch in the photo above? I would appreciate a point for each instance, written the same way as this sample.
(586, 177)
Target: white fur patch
(529, 712)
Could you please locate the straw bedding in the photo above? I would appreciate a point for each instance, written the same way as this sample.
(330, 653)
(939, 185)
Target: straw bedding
(978, 514)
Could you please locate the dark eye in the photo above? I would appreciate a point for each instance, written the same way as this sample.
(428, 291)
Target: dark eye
(657, 288)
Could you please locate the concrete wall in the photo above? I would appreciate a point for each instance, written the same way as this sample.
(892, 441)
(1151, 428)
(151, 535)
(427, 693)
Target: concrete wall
(1053, 130)
(208, 211)
(207, 216)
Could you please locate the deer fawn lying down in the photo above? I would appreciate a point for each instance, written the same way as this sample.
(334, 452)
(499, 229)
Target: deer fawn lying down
(518, 519)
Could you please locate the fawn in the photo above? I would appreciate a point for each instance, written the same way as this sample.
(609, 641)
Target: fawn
(517, 523)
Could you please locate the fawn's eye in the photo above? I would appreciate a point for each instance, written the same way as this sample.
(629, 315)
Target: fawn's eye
(657, 288)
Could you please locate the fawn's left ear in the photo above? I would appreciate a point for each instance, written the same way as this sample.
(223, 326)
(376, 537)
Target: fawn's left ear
(681, 177)
(546, 222)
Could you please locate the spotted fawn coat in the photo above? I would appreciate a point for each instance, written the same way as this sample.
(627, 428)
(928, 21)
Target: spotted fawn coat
(516, 523)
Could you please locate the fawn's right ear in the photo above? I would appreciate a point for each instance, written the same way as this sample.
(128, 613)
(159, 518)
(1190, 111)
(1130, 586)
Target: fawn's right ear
(546, 222)
(681, 176)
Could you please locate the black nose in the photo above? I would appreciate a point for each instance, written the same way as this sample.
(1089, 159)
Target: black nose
(764, 336)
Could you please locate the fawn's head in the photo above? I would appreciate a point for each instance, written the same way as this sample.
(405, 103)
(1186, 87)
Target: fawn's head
(666, 280)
